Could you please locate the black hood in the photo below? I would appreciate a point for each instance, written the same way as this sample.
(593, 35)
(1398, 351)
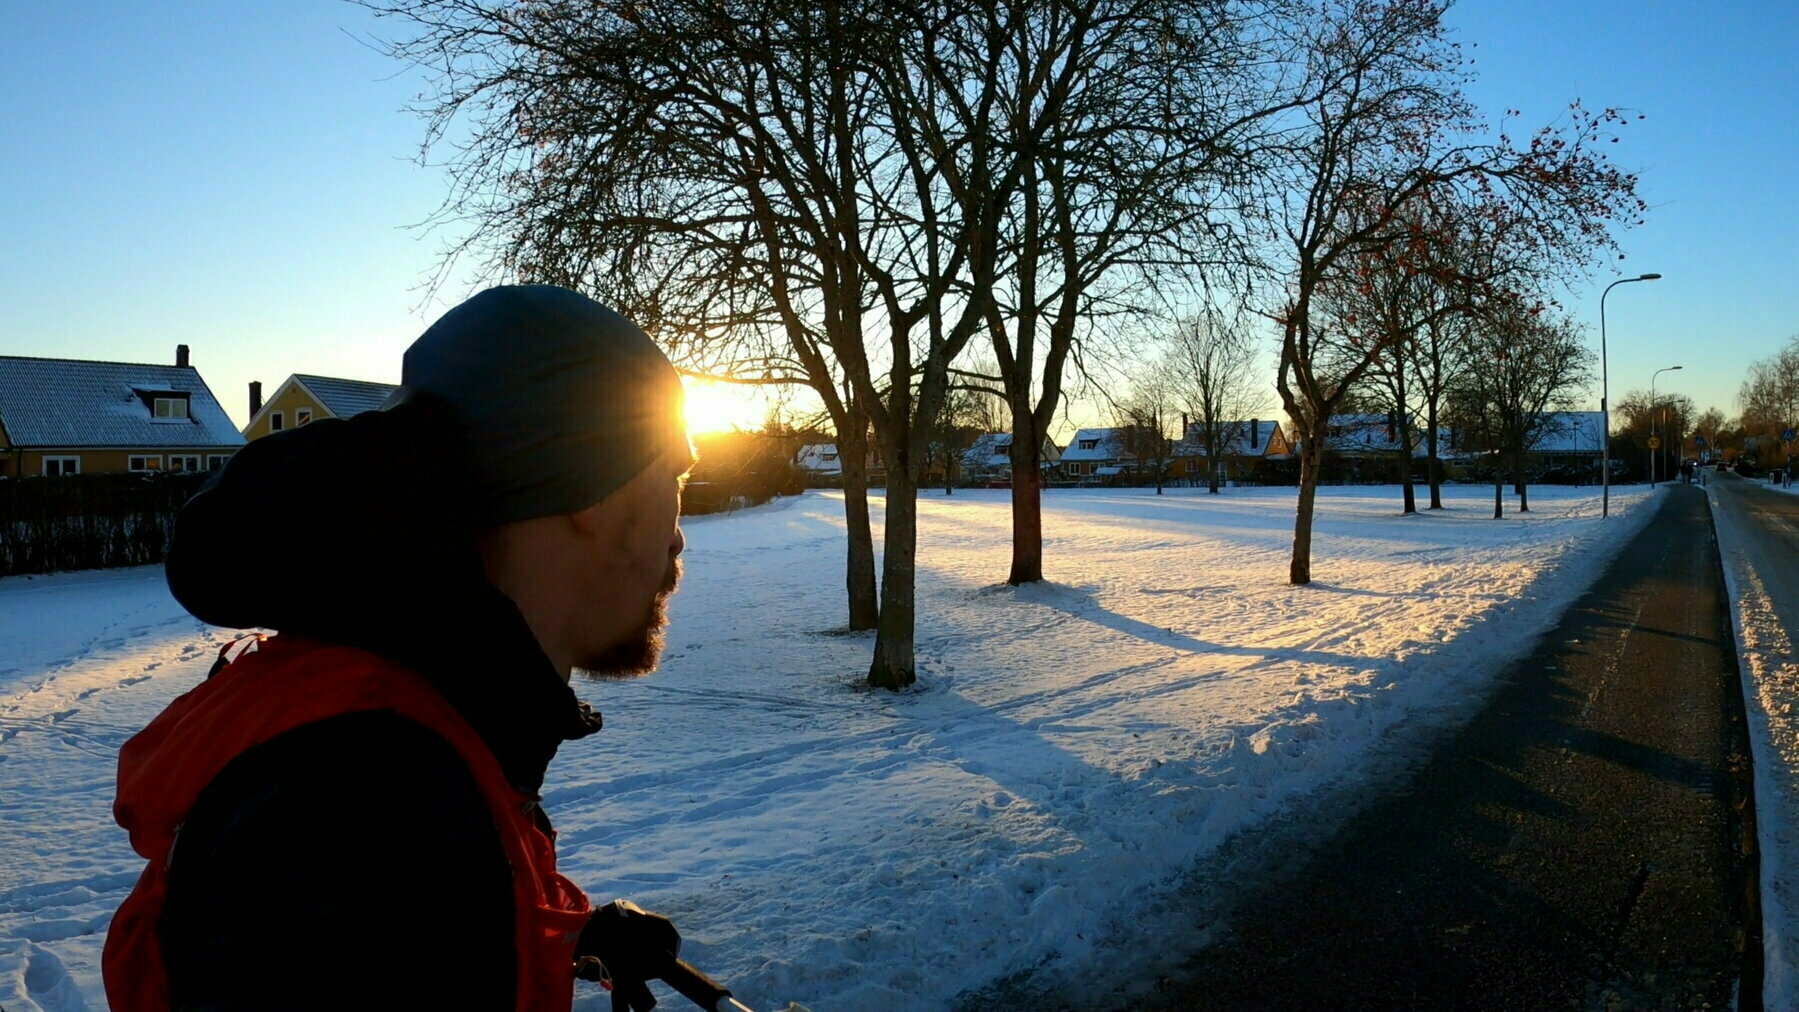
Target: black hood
(357, 532)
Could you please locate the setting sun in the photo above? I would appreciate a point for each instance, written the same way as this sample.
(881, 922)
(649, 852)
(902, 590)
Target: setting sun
(719, 407)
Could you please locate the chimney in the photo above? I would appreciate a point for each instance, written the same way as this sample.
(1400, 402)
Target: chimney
(255, 397)
(1255, 427)
(1183, 425)
(181, 356)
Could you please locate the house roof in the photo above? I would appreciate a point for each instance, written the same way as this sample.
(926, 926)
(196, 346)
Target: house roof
(1236, 439)
(346, 397)
(812, 458)
(991, 449)
(58, 402)
(1110, 445)
(1363, 433)
(1572, 432)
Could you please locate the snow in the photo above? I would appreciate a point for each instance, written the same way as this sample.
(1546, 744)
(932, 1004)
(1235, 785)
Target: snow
(1049, 802)
(1770, 670)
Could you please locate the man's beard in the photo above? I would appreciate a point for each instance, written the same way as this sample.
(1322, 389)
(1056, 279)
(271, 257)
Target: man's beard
(638, 653)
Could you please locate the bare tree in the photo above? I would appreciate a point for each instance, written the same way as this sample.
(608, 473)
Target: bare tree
(1211, 366)
(1520, 368)
(1391, 126)
(1145, 414)
(1769, 397)
(1123, 126)
(720, 171)
(1642, 415)
(1708, 432)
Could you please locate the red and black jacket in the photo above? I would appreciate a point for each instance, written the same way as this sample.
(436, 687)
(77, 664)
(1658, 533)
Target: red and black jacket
(346, 818)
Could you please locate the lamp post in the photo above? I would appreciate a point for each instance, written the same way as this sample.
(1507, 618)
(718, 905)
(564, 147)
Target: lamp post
(1655, 452)
(1605, 410)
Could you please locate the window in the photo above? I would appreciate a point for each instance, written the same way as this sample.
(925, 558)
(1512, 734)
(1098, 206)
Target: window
(184, 462)
(276, 421)
(829, 457)
(302, 416)
(62, 465)
(216, 461)
(170, 408)
(1089, 444)
(143, 462)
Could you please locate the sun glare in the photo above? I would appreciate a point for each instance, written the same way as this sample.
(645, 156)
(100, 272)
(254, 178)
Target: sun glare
(720, 407)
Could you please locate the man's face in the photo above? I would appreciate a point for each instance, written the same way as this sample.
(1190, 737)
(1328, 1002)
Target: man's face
(638, 542)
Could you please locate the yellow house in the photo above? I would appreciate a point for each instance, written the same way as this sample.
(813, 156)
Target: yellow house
(303, 398)
(1244, 443)
(70, 416)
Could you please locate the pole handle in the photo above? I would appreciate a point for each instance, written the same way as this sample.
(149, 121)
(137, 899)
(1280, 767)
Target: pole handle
(700, 989)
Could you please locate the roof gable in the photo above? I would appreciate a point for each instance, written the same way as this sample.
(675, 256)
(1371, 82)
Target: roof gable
(1106, 444)
(1250, 438)
(346, 397)
(57, 402)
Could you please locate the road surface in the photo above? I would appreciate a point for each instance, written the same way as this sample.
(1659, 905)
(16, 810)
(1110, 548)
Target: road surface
(1577, 845)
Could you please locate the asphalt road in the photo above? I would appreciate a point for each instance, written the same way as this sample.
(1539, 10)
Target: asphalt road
(1579, 845)
(1767, 521)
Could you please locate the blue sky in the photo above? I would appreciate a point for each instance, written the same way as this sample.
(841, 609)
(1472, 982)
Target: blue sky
(239, 177)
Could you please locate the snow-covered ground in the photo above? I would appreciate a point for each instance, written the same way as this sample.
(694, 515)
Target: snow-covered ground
(1042, 803)
(1764, 592)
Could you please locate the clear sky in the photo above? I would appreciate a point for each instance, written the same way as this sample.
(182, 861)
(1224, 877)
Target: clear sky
(239, 177)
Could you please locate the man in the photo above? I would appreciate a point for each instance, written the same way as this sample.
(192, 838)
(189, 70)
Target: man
(344, 815)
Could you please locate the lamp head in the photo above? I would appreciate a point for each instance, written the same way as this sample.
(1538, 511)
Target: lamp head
(1649, 277)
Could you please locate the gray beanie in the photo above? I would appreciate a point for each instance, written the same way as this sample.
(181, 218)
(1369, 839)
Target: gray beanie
(562, 400)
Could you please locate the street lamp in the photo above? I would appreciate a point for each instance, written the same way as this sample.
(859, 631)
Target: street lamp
(1605, 410)
(1655, 452)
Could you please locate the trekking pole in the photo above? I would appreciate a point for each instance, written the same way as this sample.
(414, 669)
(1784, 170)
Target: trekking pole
(702, 990)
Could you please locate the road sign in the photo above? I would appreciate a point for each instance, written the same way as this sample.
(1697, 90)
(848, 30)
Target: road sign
(1698, 440)
(1655, 442)
(1788, 435)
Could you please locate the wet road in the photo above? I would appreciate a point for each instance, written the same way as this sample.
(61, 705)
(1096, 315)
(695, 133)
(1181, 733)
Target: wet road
(1577, 846)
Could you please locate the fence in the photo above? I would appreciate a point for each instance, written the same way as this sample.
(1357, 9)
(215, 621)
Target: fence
(89, 521)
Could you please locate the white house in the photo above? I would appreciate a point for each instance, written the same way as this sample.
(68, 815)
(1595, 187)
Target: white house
(820, 462)
(989, 457)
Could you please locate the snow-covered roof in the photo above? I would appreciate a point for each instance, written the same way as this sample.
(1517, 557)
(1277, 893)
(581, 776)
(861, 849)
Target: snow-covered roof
(346, 397)
(1572, 432)
(1362, 433)
(993, 451)
(1107, 444)
(989, 450)
(59, 402)
(1237, 439)
(819, 458)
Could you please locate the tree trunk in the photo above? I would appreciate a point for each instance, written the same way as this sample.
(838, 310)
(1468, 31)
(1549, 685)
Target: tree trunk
(1027, 507)
(1498, 489)
(1435, 467)
(1212, 470)
(1523, 486)
(1407, 496)
(1311, 457)
(859, 574)
(893, 666)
